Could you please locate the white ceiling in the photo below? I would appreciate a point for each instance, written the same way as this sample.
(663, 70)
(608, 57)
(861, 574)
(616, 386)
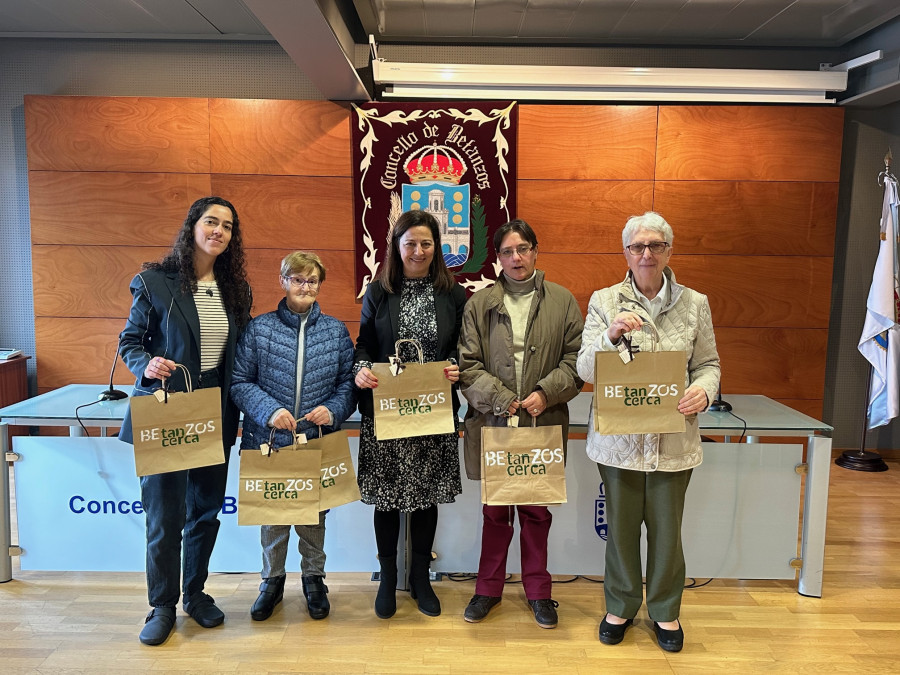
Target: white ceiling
(322, 35)
(688, 22)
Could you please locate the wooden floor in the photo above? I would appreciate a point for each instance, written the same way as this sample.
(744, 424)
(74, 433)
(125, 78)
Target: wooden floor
(89, 622)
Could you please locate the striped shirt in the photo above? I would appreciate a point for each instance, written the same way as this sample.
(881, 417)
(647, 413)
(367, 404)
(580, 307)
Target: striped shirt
(213, 324)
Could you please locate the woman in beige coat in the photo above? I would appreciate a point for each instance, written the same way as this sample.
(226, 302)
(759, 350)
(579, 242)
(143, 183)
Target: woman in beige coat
(646, 476)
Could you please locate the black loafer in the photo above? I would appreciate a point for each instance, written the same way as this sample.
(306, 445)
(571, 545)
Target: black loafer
(612, 633)
(479, 607)
(669, 640)
(271, 591)
(545, 612)
(158, 625)
(316, 593)
(203, 610)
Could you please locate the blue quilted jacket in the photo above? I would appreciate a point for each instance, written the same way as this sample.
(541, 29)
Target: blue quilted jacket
(265, 372)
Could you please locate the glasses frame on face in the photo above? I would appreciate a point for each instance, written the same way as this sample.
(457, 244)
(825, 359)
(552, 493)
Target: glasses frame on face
(656, 248)
(521, 249)
(300, 282)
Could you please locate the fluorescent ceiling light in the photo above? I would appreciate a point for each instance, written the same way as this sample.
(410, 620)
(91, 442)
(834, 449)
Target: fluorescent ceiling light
(587, 83)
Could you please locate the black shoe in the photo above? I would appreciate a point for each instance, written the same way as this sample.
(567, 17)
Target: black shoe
(669, 640)
(386, 600)
(479, 607)
(545, 612)
(612, 633)
(420, 585)
(203, 610)
(271, 591)
(158, 625)
(316, 593)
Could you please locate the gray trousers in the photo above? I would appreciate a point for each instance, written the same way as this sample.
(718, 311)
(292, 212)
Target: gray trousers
(311, 544)
(655, 499)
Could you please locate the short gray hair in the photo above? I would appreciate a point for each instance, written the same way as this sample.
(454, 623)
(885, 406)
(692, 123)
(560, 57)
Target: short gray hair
(649, 221)
(302, 262)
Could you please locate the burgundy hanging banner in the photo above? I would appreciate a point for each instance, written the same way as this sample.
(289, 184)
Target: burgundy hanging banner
(457, 164)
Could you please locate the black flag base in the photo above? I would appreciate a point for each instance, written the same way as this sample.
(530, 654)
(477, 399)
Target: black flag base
(861, 461)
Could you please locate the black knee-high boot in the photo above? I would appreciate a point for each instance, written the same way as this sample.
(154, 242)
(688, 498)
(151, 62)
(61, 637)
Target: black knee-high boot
(386, 600)
(422, 528)
(387, 532)
(420, 585)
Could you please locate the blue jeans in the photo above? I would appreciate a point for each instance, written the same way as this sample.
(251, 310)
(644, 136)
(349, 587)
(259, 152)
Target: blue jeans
(187, 501)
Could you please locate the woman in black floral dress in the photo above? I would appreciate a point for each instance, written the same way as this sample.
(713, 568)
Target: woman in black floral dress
(414, 297)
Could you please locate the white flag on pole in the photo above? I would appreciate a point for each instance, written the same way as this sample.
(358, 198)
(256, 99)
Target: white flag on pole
(880, 339)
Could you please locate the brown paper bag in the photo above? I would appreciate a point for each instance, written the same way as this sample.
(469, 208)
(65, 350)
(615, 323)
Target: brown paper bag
(178, 430)
(641, 396)
(417, 401)
(337, 479)
(522, 465)
(280, 488)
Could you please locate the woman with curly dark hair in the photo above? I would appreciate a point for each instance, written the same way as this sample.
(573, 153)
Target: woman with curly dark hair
(188, 309)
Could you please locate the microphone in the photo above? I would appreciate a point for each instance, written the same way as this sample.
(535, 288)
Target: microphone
(718, 405)
(112, 394)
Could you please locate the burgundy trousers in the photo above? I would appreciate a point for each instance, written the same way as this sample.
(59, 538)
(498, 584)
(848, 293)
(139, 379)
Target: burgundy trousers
(496, 535)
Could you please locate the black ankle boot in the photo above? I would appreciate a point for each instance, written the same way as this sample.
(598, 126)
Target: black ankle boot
(271, 591)
(316, 593)
(420, 585)
(386, 600)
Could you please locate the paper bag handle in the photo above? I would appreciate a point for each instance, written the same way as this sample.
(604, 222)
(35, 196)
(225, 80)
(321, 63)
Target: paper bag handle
(187, 381)
(414, 343)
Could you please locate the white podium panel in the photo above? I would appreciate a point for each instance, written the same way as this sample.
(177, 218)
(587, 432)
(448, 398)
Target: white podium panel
(78, 504)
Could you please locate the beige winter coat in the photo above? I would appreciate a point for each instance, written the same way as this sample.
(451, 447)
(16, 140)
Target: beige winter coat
(684, 324)
(487, 367)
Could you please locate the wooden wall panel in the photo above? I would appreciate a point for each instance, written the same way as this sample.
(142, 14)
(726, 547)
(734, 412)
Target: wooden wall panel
(750, 218)
(582, 274)
(754, 215)
(297, 138)
(789, 292)
(87, 281)
(587, 142)
(772, 143)
(583, 216)
(78, 350)
(337, 297)
(777, 362)
(291, 212)
(87, 133)
(110, 208)
(786, 291)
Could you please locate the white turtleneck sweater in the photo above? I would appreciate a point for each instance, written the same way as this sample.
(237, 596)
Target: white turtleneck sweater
(517, 299)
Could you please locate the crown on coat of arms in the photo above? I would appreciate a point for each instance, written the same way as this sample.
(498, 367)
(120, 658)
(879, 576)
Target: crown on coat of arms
(435, 163)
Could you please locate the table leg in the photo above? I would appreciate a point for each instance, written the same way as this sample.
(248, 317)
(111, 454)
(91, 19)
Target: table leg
(815, 514)
(5, 523)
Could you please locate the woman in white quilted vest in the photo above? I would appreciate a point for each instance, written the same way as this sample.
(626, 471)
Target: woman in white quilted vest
(646, 476)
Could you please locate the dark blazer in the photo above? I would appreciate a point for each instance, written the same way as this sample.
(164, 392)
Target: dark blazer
(163, 322)
(380, 321)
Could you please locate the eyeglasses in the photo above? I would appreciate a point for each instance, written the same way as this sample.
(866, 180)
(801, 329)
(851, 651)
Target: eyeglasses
(656, 247)
(300, 282)
(522, 250)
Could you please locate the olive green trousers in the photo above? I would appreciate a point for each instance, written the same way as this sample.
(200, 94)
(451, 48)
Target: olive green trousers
(655, 499)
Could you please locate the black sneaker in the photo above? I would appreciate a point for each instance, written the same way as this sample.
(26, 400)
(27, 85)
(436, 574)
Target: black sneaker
(158, 625)
(479, 607)
(545, 612)
(203, 610)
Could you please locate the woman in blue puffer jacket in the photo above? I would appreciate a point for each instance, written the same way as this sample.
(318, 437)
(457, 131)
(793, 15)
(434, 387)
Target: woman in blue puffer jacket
(294, 372)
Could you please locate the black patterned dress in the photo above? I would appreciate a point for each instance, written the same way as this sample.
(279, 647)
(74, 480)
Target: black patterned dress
(410, 473)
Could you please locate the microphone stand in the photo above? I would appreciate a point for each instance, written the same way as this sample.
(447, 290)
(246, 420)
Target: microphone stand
(112, 394)
(718, 405)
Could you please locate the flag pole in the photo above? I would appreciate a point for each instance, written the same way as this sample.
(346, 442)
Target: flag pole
(863, 460)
